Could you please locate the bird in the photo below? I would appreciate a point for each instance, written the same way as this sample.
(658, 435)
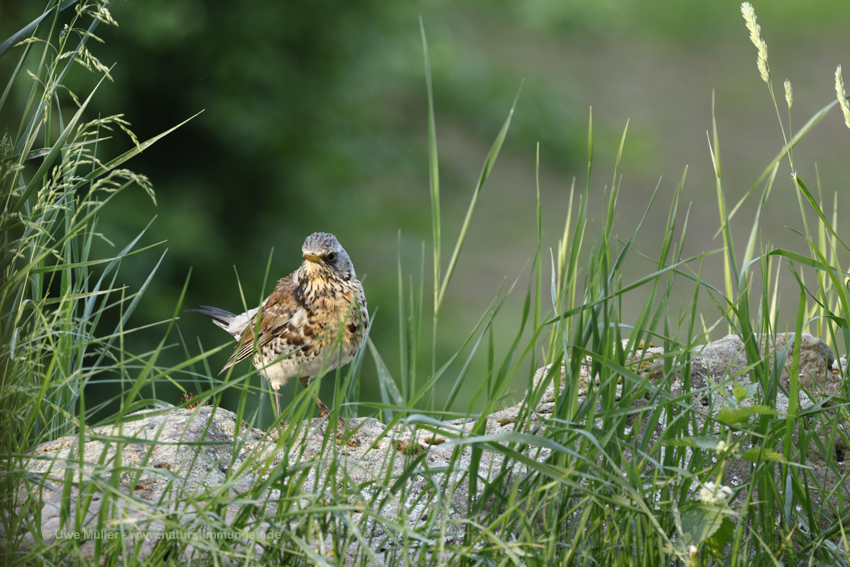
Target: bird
(315, 320)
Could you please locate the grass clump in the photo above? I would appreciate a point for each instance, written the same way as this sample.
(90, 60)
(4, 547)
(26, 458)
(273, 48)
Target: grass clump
(55, 292)
(626, 448)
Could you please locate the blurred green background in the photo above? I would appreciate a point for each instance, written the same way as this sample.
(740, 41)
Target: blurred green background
(315, 120)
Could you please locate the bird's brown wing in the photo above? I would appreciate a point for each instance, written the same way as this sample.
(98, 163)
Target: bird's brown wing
(276, 317)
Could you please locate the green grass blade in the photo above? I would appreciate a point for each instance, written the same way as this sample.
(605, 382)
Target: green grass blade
(485, 173)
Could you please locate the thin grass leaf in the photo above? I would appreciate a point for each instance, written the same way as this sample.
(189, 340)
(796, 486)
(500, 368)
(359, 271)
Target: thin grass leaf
(485, 173)
(22, 34)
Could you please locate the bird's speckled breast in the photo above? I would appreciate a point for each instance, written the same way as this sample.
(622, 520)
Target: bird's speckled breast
(326, 305)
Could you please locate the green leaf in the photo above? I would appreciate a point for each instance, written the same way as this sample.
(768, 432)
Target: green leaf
(757, 453)
(716, 544)
(741, 393)
(705, 442)
(734, 416)
(698, 523)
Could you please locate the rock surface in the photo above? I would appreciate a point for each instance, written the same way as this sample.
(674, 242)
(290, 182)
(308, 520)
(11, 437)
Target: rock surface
(164, 461)
(167, 464)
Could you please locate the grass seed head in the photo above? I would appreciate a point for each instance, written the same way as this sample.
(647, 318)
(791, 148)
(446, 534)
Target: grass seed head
(755, 36)
(842, 96)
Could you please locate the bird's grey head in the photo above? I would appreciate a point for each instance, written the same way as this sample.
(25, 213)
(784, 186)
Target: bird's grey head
(322, 251)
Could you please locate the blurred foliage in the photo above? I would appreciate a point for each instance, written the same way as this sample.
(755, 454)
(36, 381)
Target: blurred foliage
(315, 119)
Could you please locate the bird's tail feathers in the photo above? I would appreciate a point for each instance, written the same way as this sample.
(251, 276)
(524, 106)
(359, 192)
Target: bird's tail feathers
(220, 317)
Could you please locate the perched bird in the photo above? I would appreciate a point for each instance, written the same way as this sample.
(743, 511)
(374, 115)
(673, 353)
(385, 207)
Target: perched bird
(314, 320)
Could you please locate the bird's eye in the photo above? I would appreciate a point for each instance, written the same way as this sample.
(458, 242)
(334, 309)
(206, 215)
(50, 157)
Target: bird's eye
(331, 256)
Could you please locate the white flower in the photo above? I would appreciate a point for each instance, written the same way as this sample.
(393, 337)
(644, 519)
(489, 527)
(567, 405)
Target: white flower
(693, 556)
(721, 447)
(712, 493)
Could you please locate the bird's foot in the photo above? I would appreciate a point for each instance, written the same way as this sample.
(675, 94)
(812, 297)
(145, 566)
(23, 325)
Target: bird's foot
(324, 412)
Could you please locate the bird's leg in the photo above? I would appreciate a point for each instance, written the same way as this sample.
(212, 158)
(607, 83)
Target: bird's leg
(277, 415)
(323, 409)
(277, 402)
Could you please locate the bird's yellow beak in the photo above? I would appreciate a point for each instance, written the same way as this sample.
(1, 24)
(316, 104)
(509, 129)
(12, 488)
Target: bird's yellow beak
(312, 258)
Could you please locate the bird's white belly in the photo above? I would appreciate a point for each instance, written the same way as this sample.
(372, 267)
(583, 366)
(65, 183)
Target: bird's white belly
(278, 374)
